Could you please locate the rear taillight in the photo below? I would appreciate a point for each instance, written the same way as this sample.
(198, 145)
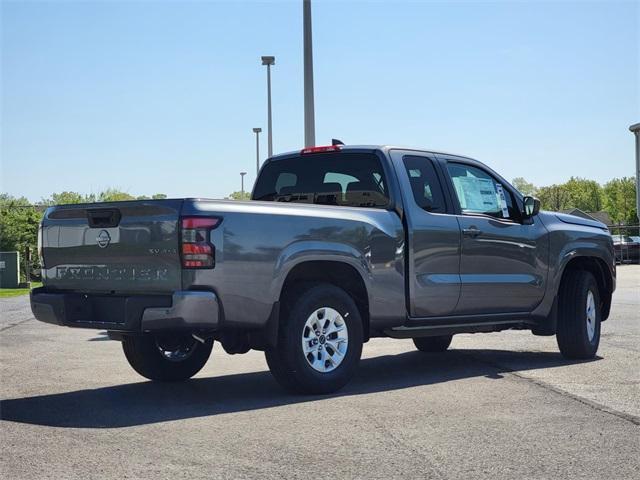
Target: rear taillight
(197, 250)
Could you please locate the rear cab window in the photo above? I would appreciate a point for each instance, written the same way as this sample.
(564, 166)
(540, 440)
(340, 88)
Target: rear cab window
(425, 185)
(336, 178)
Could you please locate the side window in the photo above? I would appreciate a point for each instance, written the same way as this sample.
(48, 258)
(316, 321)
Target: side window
(479, 193)
(425, 185)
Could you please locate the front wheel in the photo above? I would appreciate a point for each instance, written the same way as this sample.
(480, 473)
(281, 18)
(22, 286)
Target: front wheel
(578, 332)
(166, 358)
(319, 343)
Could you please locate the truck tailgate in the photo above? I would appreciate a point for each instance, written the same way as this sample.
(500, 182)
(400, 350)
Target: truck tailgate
(112, 247)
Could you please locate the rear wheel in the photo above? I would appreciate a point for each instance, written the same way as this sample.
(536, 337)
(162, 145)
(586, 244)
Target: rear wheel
(167, 358)
(433, 344)
(319, 343)
(578, 332)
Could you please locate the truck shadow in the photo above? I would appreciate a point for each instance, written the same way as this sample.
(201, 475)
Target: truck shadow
(148, 402)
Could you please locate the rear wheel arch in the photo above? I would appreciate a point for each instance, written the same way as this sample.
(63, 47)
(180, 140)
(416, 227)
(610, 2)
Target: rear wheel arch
(340, 274)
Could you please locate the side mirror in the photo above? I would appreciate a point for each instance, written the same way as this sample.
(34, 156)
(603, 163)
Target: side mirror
(531, 206)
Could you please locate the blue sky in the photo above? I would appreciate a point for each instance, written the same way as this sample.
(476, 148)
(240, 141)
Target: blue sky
(162, 96)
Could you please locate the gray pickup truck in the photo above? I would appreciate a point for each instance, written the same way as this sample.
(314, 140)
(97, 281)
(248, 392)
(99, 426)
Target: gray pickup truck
(338, 245)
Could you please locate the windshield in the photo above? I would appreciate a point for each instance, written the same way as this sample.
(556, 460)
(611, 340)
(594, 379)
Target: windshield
(350, 179)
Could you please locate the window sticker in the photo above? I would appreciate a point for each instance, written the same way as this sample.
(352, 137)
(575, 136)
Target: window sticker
(476, 194)
(503, 200)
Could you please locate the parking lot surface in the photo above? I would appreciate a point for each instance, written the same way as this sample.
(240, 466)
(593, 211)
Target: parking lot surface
(502, 405)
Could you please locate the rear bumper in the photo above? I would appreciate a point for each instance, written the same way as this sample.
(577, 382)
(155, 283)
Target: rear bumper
(188, 310)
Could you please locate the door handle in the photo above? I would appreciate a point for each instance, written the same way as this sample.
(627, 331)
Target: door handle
(471, 232)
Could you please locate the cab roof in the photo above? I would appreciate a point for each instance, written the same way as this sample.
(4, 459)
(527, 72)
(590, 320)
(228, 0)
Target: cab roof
(362, 148)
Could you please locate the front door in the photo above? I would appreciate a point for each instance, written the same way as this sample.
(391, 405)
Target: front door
(503, 261)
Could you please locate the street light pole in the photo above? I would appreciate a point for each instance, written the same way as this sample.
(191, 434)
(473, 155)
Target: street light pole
(257, 132)
(309, 114)
(635, 129)
(242, 174)
(268, 61)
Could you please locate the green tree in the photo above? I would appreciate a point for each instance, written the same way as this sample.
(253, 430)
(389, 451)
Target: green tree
(114, 195)
(64, 198)
(554, 197)
(155, 196)
(620, 200)
(584, 194)
(19, 226)
(108, 195)
(239, 196)
(524, 187)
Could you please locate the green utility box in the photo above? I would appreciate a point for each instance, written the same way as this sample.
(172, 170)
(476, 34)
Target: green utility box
(9, 269)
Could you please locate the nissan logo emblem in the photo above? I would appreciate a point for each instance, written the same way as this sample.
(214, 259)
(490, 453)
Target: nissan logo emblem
(103, 239)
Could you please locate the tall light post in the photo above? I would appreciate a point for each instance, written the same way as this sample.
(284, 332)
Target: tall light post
(268, 61)
(242, 174)
(635, 129)
(309, 114)
(257, 131)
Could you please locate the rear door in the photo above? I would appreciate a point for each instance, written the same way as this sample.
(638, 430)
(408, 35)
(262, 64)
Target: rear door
(433, 236)
(113, 247)
(503, 262)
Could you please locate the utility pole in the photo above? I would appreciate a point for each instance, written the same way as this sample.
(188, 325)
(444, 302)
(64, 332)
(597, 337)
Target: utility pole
(257, 132)
(268, 61)
(242, 174)
(27, 265)
(309, 114)
(635, 129)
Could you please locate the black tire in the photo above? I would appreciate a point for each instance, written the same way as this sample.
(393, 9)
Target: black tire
(572, 334)
(287, 361)
(144, 354)
(433, 344)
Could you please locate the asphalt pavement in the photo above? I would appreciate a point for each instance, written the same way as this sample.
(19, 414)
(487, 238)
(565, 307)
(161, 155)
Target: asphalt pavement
(496, 406)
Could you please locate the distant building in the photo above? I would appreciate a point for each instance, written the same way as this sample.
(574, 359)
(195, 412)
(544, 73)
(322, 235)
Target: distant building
(602, 217)
(598, 216)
